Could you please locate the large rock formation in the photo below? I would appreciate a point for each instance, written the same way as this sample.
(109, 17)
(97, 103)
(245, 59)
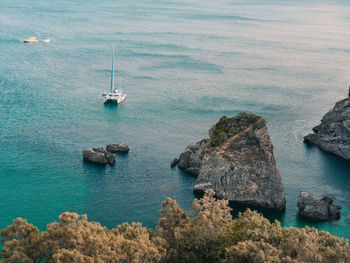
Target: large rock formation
(99, 155)
(333, 134)
(237, 162)
(319, 210)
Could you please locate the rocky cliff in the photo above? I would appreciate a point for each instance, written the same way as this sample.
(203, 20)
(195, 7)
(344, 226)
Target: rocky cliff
(191, 159)
(333, 133)
(237, 162)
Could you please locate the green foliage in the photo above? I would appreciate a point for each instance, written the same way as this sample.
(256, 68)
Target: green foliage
(74, 239)
(253, 226)
(252, 139)
(172, 221)
(205, 239)
(135, 243)
(209, 235)
(22, 242)
(227, 127)
(250, 251)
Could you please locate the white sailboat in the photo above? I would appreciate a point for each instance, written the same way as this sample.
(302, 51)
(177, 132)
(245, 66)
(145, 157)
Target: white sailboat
(31, 40)
(114, 94)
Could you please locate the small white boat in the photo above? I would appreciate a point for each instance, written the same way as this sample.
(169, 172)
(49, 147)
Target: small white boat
(114, 95)
(31, 40)
(47, 40)
(117, 97)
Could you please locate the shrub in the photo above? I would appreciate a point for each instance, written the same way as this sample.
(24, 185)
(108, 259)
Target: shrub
(209, 235)
(227, 127)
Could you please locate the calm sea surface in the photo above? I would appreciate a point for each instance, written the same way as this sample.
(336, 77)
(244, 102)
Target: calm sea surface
(183, 64)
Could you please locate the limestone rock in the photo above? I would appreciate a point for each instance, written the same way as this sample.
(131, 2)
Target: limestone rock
(190, 160)
(333, 134)
(319, 210)
(98, 155)
(174, 162)
(237, 162)
(117, 148)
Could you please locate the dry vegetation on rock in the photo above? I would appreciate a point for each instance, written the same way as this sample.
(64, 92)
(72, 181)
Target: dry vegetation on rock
(228, 127)
(209, 235)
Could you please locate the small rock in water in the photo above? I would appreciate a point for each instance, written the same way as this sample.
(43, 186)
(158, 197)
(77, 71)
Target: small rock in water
(320, 210)
(174, 162)
(117, 148)
(98, 155)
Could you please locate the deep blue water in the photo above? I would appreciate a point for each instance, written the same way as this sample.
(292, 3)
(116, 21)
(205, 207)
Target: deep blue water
(183, 64)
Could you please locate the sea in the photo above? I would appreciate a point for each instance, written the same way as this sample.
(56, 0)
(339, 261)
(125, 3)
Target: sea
(183, 65)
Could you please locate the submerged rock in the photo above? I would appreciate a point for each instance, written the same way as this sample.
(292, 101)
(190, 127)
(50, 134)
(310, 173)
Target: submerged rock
(333, 133)
(319, 210)
(237, 162)
(117, 148)
(98, 155)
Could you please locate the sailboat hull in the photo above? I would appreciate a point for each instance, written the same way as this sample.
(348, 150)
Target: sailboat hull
(114, 98)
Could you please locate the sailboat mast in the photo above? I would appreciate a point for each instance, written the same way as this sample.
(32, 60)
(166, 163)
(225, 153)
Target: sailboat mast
(113, 68)
(112, 76)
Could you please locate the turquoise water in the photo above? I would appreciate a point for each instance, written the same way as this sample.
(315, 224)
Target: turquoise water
(183, 64)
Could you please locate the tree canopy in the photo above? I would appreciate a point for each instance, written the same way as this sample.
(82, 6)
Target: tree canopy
(208, 234)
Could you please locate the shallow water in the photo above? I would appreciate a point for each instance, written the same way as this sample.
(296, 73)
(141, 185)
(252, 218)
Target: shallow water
(183, 64)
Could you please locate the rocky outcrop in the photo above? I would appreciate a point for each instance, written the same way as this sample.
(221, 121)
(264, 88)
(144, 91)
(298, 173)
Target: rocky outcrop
(117, 148)
(237, 162)
(190, 160)
(174, 162)
(333, 133)
(99, 155)
(319, 210)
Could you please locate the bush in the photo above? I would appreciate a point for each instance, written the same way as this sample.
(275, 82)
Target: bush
(209, 235)
(227, 127)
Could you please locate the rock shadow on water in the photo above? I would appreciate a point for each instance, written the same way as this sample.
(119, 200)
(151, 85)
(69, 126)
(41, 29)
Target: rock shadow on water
(95, 167)
(328, 163)
(302, 222)
(186, 174)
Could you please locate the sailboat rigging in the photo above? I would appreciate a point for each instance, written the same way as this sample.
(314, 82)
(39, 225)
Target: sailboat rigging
(114, 94)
